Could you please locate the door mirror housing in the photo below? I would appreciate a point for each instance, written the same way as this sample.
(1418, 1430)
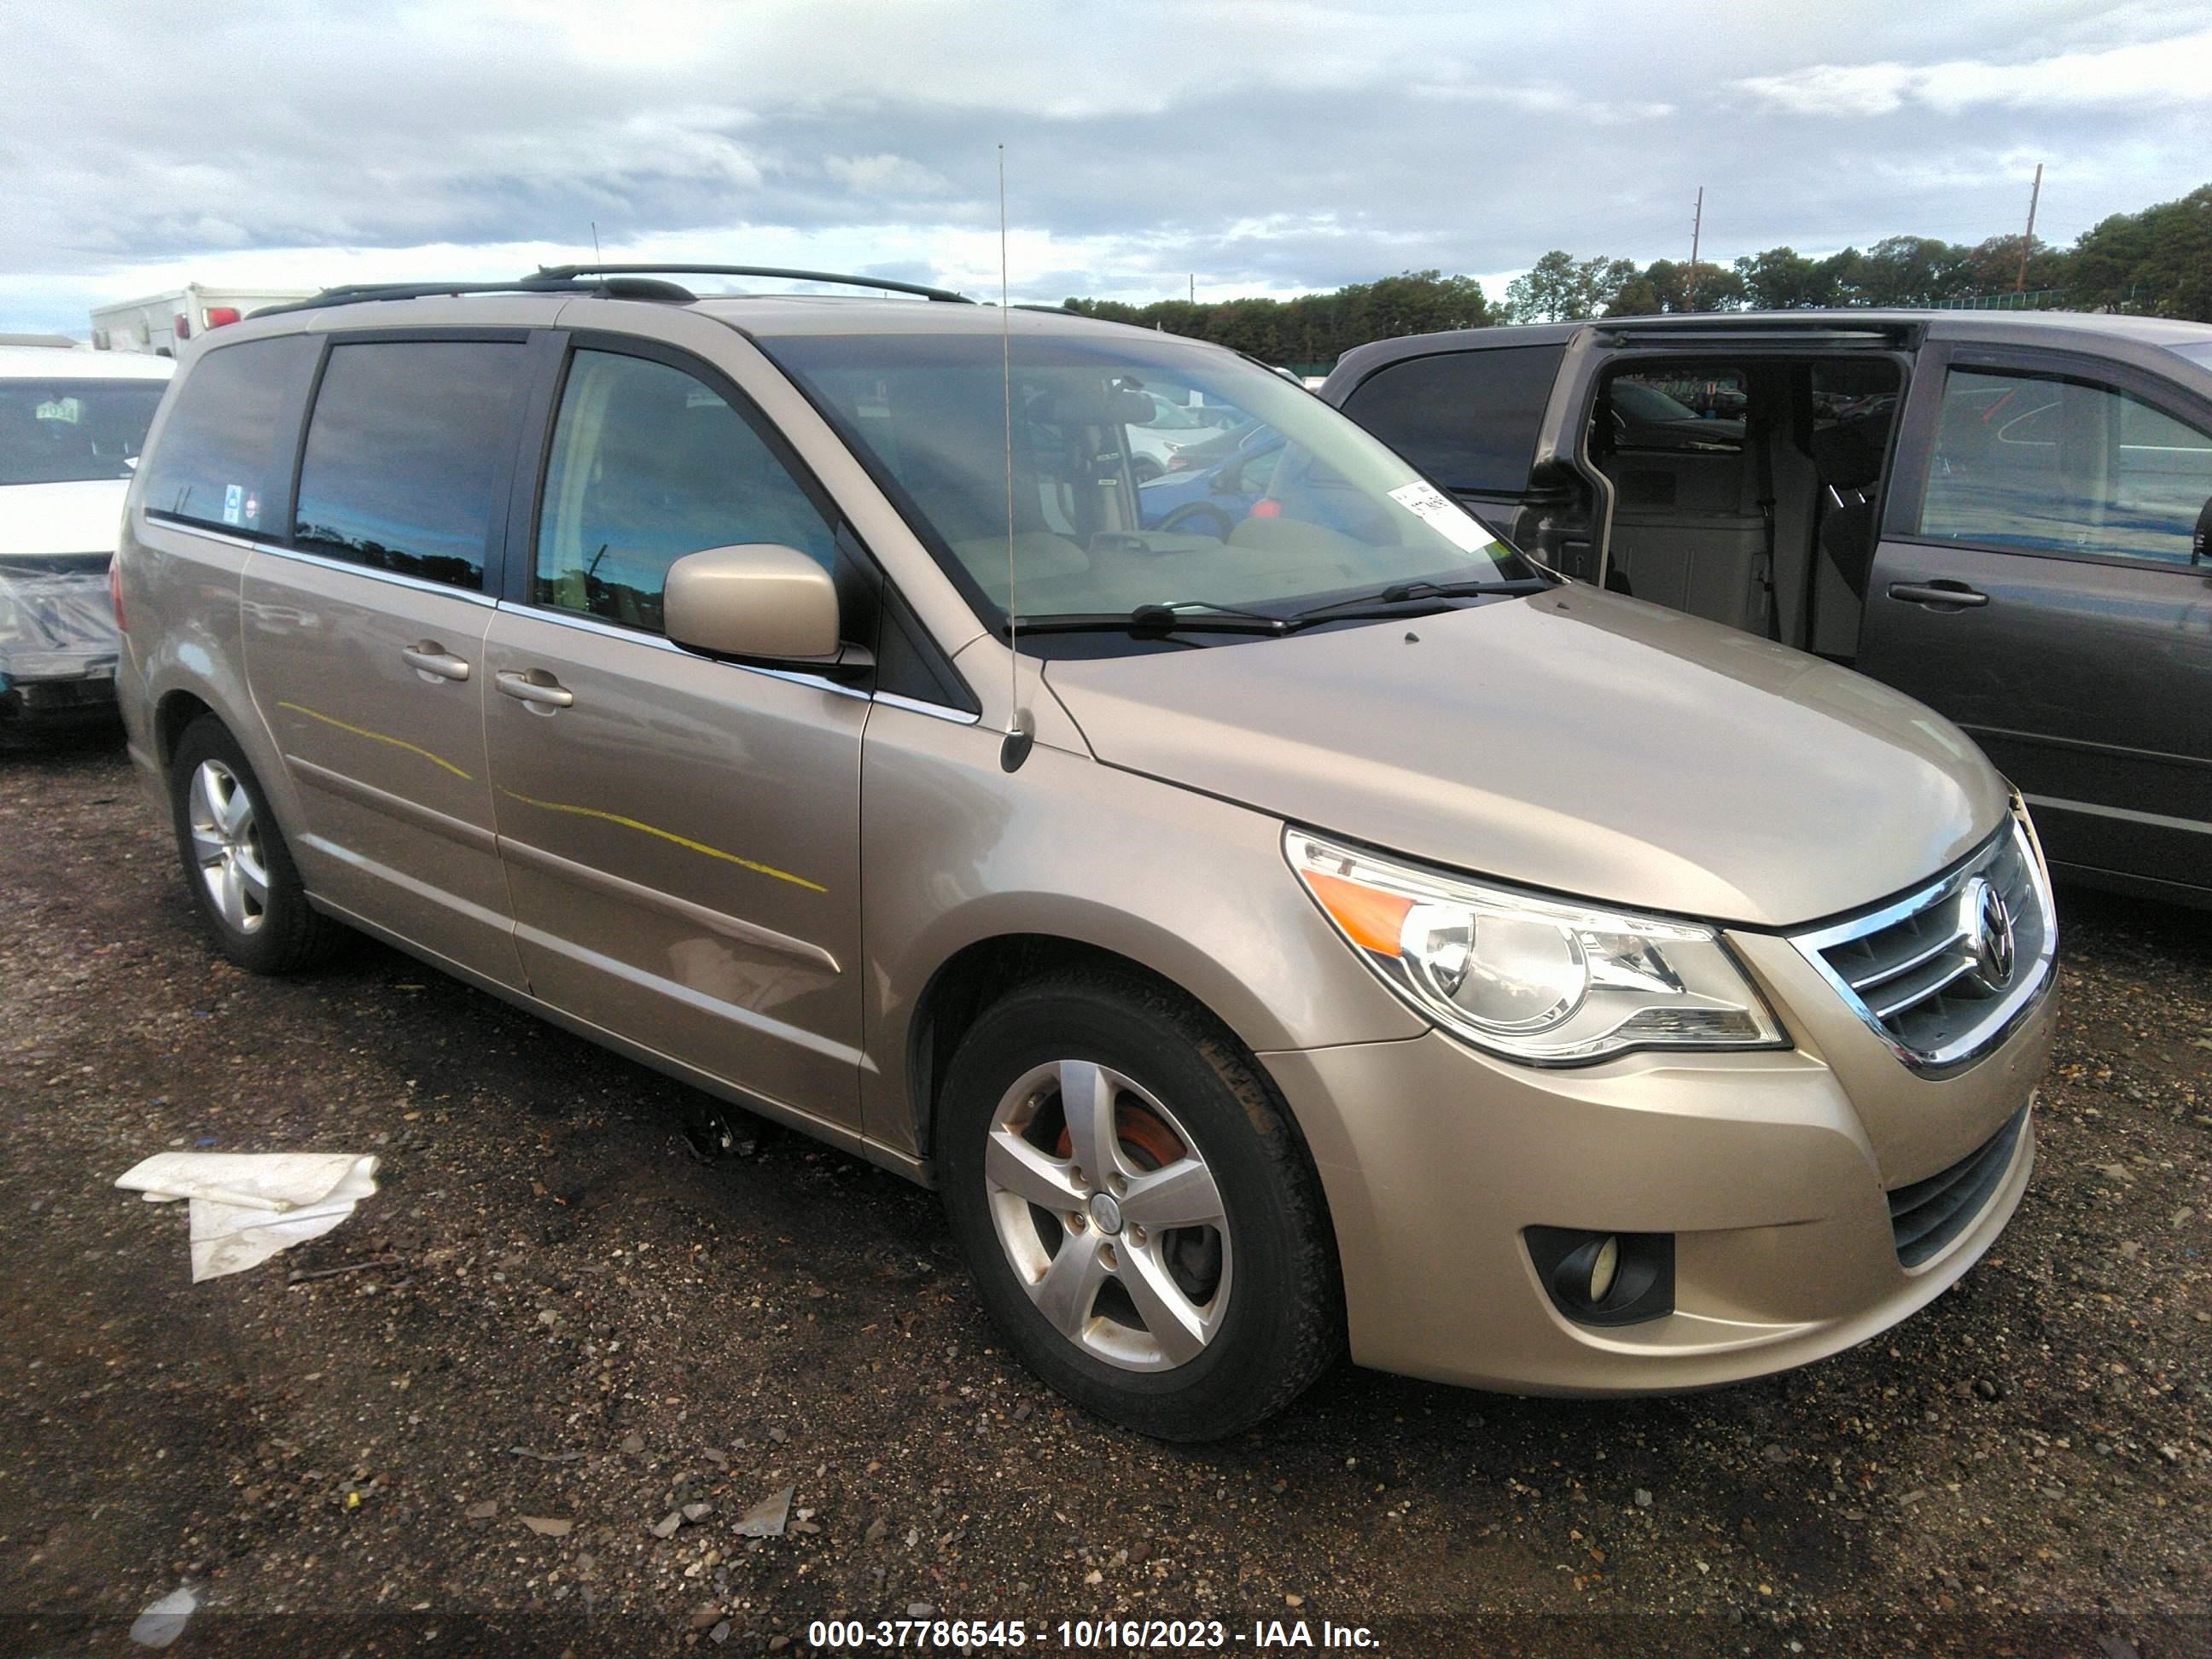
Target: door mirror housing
(758, 601)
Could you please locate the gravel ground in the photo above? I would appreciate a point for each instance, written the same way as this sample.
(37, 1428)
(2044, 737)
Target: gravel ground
(558, 1311)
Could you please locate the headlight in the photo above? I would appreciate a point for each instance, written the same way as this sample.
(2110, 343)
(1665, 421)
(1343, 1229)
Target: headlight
(1532, 978)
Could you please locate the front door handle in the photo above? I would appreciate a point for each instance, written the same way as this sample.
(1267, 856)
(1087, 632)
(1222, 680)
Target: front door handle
(1952, 596)
(434, 662)
(543, 693)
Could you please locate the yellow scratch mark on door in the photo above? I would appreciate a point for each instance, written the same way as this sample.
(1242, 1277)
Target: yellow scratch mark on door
(378, 737)
(668, 836)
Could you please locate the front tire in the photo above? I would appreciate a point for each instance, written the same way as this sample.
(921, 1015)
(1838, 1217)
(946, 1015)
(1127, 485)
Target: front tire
(1142, 1223)
(234, 858)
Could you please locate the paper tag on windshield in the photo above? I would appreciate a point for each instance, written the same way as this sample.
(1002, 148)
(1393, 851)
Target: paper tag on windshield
(1444, 516)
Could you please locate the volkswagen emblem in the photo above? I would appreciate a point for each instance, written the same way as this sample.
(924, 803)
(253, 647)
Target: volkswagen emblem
(1989, 920)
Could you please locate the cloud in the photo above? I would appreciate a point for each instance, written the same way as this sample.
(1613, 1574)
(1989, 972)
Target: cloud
(884, 175)
(2178, 70)
(1262, 146)
(1543, 99)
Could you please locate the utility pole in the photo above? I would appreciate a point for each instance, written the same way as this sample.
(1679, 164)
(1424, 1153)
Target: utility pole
(1193, 285)
(2027, 242)
(1697, 230)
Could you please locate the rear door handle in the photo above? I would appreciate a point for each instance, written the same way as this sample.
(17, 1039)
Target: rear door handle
(1955, 596)
(434, 662)
(544, 696)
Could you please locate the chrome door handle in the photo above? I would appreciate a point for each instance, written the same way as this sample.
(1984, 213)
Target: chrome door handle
(1958, 597)
(434, 662)
(546, 695)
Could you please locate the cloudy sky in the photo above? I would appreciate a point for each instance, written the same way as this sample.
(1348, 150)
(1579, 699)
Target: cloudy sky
(1264, 146)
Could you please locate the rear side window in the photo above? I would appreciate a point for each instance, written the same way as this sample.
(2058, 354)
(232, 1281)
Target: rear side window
(407, 454)
(225, 454)
(2054, 464)
(650, 464)
(1468, 419)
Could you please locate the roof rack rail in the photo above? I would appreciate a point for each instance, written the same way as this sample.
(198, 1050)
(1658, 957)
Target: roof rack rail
(569, 272)
(610, 289)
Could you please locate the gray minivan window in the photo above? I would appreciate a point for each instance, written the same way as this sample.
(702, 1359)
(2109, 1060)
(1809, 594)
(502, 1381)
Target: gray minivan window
(650, 464)
(405, 451)
(224, 456)
(1468, 419)
(2058, 465)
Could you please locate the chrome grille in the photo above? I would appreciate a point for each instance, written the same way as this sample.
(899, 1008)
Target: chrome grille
(1943, 973)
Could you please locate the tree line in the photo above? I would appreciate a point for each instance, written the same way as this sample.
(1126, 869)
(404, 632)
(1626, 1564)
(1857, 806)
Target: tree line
(2157, 261)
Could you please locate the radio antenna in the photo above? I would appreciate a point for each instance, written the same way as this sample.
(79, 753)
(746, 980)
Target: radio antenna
(1016, 748)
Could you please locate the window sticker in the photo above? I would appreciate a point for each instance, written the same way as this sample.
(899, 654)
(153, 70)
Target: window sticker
(233, 503)
(1444, 516)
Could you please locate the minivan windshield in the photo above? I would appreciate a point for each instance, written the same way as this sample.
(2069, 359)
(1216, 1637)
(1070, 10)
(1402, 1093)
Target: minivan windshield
(61, 430)
(1110, 513)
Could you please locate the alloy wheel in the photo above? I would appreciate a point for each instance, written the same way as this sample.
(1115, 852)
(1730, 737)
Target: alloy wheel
(227, 847)
(1107, 1213)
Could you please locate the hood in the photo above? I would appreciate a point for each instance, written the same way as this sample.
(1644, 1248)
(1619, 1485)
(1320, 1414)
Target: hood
(1577, 741)
(62, 518)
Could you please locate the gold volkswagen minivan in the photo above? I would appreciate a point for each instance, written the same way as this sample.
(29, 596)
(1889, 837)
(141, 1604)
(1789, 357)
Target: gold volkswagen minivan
(1275, 914)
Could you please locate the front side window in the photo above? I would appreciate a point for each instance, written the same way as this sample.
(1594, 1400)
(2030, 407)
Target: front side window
(405, 454)
(1100, 523)
(650, 464)
(73, 431)
(225, 454)
(1468, 419)
(2059, 466)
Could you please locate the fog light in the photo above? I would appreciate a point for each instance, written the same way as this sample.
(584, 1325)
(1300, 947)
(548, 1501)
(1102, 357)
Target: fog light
(1604, 1278)
(1604, 1267)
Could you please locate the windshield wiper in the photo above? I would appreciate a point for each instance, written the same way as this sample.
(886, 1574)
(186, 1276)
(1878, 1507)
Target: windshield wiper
(1406, 593)
(1186, 617)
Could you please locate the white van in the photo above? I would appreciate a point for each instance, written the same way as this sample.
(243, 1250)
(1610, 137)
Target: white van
(160, 323)
(72, 423)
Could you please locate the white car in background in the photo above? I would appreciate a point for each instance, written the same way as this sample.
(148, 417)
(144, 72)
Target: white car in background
(71, 424)
(1154, 444)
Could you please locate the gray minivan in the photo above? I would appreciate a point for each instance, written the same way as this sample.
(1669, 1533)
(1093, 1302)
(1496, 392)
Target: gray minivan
(2004, 514)
(1336, 931)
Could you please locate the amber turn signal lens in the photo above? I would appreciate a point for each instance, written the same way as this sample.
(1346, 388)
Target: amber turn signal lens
(1372, 921)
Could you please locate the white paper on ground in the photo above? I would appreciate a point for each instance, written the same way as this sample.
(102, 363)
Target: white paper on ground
(245, 1207)
(163, 1621)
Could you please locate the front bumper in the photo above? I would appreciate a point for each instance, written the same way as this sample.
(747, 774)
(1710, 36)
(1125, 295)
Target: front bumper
(59, 643)
(55, 689)
(1772, 1169)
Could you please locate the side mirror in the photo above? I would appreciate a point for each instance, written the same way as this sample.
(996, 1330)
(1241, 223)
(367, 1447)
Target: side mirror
(758, 599)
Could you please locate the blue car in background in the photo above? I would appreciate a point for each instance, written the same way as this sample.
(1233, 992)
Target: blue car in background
(1211, 500)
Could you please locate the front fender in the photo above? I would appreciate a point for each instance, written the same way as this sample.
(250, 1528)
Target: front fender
(956, 851)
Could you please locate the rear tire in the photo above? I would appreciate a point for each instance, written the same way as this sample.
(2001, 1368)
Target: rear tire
(234, 858)
(1228, 1304)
